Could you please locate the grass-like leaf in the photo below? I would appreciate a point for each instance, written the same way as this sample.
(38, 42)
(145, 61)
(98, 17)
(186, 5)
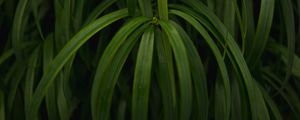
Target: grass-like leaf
(288, 18)
(71, 47)
(218, 56)
(262, 31)
(103, 87)
(182, 63)
(98, 10)
(17, 30)
(198, 74)
(149, 59)
(50, 98)
(142, 76)
(146, 8)
(236, 54)
(165, 75)
(163, 9)
(30, 77)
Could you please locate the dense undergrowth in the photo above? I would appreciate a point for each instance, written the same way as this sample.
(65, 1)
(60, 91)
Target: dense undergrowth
(150, 59)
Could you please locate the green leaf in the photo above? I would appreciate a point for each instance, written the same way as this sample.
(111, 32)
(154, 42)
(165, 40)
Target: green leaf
(163, 9)
(198, 74)
(109, 68)
(50, 97)
(14, 83)
(98, 10)
(165, 75)
(272, 105)
(146, 7)
(78, 17)
(229, 16)
(217, 54)
(262, 32)
(142, 76)
(62, 102)
(66, 21)
(65, 54)
(17, 30)
(288, 18)
(30, 77)
(214, 25)
(182, 63)
(34, 7)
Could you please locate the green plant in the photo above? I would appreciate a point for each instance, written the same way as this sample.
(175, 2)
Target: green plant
(150, 59)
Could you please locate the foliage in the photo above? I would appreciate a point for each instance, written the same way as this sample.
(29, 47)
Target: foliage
(150, 59)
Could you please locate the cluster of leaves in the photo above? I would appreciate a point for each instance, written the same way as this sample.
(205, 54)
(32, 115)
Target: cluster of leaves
(150, 59)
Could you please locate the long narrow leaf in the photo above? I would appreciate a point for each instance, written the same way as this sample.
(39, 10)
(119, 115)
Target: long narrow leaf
(217, 54)
(30, 77)
(219, 31)
(288, 18)
(102, 89)
(198, 74)
(166, 75)
(262, 32)
(50, 97)
(142, 76)
(146, 7)
(72, 46)
(182, 63)
(163, 9)
(17, 27)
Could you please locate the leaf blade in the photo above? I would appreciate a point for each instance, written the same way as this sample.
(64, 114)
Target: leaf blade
(71, 47)
(142, 76)
(183, 69)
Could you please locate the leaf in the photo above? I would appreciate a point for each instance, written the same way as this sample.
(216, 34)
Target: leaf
(30, 77)
(142, 76)
(17, 31)
(146, 7)
(78, 17)
(34, 7)
(98, 10)
(66, 21)
(65, 54)
(229, 16)
(198, 74)
(64, 92)
(165, 75)
(163, 9)
(14, 83)
(272, 105)
(217, 54)
(288, 18)
(262, 32)
(50, 97)
(109, 68)
(213, 24)
(182, 63)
